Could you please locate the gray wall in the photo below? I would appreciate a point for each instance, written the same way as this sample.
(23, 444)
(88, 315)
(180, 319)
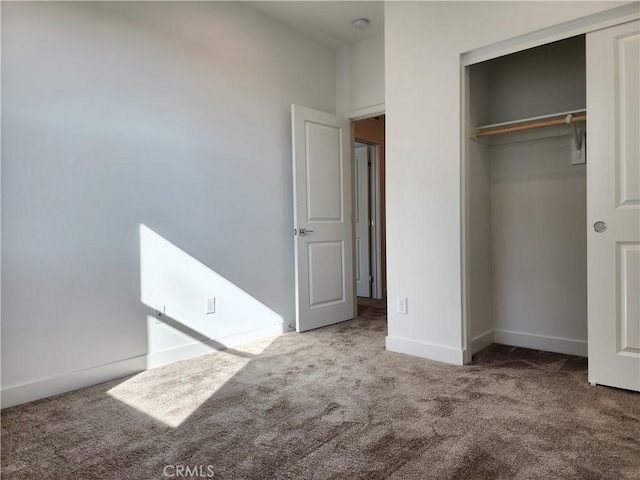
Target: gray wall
(162, 127)
(538, 199)
(542, 80)
(527, 211)
(539, 241)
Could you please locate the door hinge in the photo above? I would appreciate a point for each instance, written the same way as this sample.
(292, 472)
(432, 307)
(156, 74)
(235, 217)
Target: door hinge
(371, 223)
(369, 164)
(370, 279)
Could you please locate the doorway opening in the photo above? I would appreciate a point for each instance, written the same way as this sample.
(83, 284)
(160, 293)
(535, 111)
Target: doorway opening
(369, 188)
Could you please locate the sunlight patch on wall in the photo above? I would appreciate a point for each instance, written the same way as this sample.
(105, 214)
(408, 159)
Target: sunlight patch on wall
(175, 283)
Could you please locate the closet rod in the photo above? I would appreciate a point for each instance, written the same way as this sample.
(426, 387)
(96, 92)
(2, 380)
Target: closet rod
(530, 126)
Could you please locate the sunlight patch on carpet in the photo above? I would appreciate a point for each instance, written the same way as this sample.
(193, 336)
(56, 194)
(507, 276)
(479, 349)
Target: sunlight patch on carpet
(185, 386)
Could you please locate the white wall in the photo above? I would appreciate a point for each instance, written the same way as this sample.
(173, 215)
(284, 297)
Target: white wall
(161, 127)
(360, 77)
(539, 245)
(423, 43)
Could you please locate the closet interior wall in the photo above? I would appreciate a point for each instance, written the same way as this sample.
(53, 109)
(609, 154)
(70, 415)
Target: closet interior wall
(526, 203)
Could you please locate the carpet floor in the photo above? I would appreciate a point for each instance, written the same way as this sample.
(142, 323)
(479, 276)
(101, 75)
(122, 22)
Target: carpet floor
(333, 404)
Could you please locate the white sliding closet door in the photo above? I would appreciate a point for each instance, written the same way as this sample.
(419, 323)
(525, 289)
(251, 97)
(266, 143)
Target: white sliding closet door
(613, 205)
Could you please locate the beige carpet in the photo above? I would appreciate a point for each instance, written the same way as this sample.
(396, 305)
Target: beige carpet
(332, 404)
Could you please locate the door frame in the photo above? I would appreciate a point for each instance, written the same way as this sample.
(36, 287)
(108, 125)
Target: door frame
(580, 26)
(356, 116)
(376, 206)
(375, 233)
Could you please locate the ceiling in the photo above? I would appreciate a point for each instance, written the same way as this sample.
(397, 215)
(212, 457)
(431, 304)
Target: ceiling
(327, 21)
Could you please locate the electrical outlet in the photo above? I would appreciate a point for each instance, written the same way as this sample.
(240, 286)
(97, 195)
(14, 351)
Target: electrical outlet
(211, 305)
(402, 305)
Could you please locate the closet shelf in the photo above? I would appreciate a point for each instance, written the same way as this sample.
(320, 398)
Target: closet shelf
(551, 120)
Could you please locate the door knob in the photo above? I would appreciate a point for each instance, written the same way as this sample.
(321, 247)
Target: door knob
(303, 231)
(599, 226)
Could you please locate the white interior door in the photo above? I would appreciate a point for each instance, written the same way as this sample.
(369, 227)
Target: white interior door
(613, 205)
(363, 238)
(323, 219)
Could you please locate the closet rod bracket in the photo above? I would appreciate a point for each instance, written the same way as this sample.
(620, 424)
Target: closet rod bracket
(579, 151)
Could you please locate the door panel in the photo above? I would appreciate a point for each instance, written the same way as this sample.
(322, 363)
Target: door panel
(326, 260)
(613, 186)
(324, 283)
(628, 325)
(627, 100)
(324, 173)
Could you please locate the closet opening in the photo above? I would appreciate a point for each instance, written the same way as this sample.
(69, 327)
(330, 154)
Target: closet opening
(525, 236)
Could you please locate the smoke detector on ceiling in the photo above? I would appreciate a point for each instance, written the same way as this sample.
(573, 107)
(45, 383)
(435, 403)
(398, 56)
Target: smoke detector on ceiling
(360, 23)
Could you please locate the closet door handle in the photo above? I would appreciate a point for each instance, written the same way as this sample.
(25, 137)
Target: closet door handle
(599, 226)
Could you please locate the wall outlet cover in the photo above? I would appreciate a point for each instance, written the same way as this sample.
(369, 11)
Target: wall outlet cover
(402, 305)
(211, 305)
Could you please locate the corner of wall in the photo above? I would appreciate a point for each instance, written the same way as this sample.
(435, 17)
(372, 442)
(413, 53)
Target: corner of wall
(343, 79)
(360, 83)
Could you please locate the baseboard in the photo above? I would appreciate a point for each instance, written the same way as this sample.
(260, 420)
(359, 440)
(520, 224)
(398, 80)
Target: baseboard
(46, 387)
(158, 359)
(431, 351)
(541, 342)
(28, 392)
(482, 341)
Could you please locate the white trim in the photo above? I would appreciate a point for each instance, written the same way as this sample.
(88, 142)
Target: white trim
(439, 353)
(366, 112)
(159, 359)
(17, 394)
(371, 158)
(579, 26)
(375, 247)
(541, 342)
(46, 387)
(482, 341)
(465, 220)
(377, 231)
